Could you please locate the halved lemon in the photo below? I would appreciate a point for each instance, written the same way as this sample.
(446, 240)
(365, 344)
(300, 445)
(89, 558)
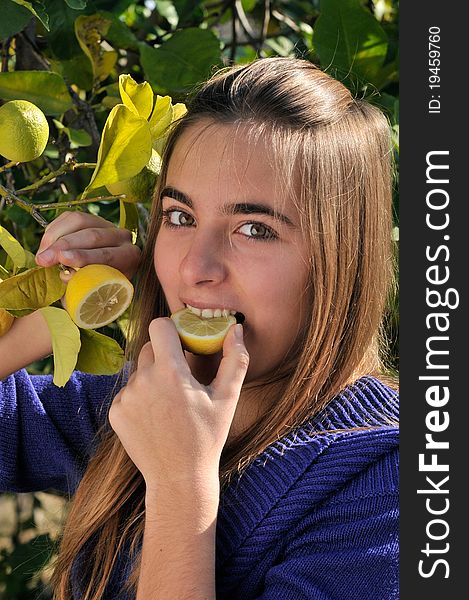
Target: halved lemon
(201, 335)
(97, 295)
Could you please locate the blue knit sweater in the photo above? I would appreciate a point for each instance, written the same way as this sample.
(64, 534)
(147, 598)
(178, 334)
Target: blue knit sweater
(314, 517)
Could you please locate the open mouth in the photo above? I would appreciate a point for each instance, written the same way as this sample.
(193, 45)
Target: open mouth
(210, 313)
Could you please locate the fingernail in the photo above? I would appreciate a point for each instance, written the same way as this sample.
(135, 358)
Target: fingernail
(238, 332)
(45, 256)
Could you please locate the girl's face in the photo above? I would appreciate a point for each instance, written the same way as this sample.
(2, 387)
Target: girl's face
(229, 241)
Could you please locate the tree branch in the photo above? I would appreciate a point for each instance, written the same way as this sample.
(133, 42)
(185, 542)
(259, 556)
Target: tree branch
(234, 33)
(265, 25)
(11, 197)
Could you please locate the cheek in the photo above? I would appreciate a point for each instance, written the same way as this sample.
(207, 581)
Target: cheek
(164, 262)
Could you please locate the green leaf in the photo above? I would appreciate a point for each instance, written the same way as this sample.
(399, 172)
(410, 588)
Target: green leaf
(349, 38)
(77, 4)
(124, 150)
(38, 12)
(61, 38)
(90, 31)
(13, 248)
(189, 11)
(138, 97)
(128, 218)
(33, 289)
(65, 342)
(78, 137)
(119, 35)
(45, 89)
(14, 19)
(99, 354)
(77, 70)
(183, 61)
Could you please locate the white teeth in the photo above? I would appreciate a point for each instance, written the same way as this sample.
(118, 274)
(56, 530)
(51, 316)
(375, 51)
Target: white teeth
(209, 313)
(196, 311)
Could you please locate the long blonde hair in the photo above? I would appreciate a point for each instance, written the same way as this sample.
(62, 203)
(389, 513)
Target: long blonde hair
(339, 150)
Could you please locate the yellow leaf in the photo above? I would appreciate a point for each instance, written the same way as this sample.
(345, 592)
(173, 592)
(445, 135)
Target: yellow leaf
(161, 117)
(124, 150)
(136, 96)
(13, 248)
(99, 354)
(90, 30)
(128, 218)
(65, 342)
(32, 289)
(179, 110)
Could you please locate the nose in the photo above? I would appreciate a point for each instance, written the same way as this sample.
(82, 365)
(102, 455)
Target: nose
(204, 261)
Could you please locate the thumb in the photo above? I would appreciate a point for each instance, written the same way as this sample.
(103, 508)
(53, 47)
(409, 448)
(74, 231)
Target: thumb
(233, 366)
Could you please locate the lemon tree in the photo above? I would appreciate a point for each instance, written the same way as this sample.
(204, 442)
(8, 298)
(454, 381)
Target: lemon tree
(128, 163)
(24, 131)
(201, 335)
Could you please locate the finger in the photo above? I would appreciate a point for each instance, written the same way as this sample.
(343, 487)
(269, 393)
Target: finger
(123, 258)
(146, 358)
(233, 367)
(69, 222)
(166, 343)
(91, 238)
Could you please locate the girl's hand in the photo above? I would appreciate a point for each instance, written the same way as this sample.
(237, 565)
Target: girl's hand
(76, 239)
(172, 427)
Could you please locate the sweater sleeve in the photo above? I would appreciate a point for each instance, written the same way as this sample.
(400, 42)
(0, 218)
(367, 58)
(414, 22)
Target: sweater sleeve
(347, 548)
(47, 433)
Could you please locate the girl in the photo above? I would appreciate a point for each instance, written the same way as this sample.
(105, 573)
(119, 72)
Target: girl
(268, 471)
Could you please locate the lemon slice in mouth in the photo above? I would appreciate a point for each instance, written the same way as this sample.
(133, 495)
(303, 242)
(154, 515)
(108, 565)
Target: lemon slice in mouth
(97, 295)
(201, 335)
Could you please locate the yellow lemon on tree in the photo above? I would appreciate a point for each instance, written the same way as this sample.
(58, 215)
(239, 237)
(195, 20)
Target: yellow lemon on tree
(24, 131)
(201, 335)
(6, 321)
(97, 295)
(139, 188)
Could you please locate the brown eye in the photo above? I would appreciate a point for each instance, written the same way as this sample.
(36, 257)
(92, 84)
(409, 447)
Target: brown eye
(179, 218)
(257, 231)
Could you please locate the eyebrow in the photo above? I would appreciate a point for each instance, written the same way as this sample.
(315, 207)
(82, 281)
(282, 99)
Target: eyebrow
(240, 208)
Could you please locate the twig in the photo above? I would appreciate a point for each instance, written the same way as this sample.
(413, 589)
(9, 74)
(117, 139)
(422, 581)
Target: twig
(11, 197)
(265, 25)
(8, 165)
(69, 203)
(86, 109)
(234, 35)
(70, 165)
(286, 19)
(238, 8)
